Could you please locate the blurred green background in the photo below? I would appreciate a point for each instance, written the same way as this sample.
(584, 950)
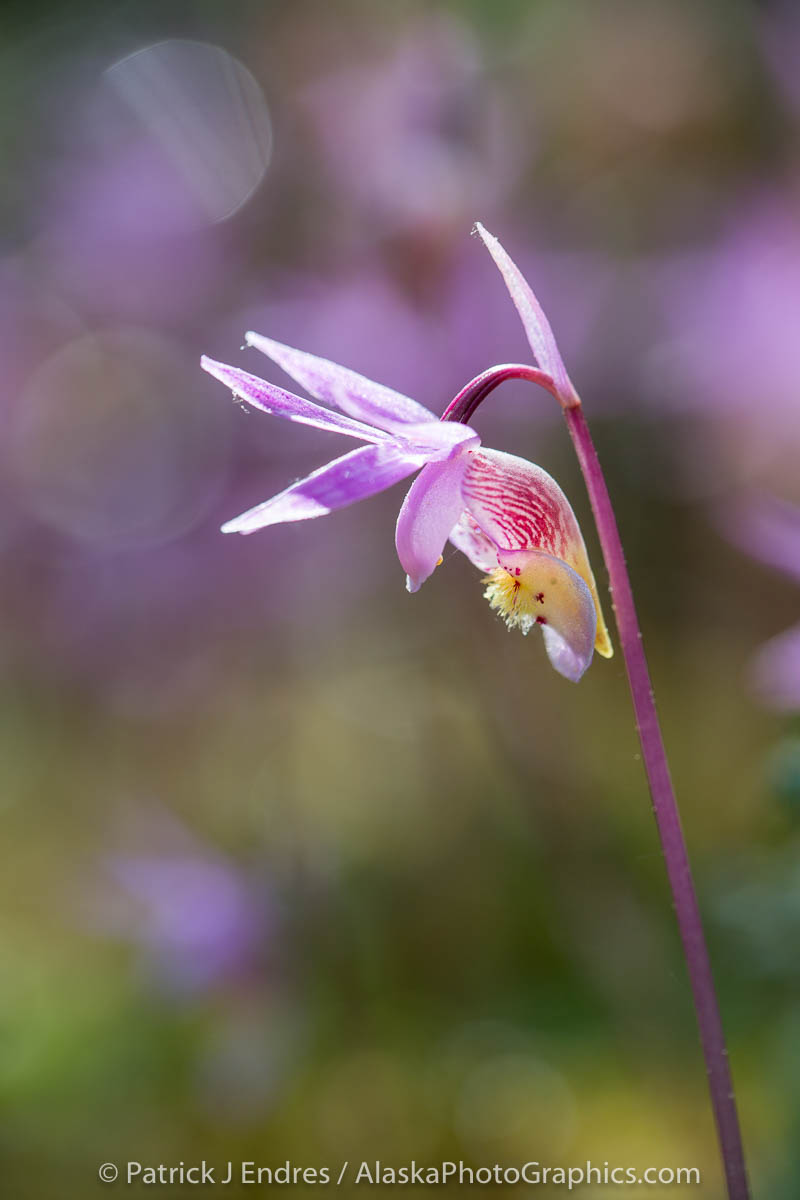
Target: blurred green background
(297, 866)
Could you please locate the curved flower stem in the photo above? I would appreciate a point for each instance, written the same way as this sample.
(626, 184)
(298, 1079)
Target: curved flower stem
(476, 391)
(655, 760)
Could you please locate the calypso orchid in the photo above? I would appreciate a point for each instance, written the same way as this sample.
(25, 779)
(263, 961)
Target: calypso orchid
(508, 516)
(515, 524)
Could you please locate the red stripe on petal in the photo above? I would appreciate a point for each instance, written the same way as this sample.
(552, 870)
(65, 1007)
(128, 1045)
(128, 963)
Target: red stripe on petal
(518, 504)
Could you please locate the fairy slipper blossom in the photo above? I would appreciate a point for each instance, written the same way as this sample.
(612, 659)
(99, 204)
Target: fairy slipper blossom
(515, 524)
(509, 517)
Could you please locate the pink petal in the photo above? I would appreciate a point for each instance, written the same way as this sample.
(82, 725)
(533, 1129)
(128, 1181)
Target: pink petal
(537, 328)
(468, 537)
(356, 475)
(518, 505)
(360, 397)
(437, 439)
(429, 512)
(275, 400)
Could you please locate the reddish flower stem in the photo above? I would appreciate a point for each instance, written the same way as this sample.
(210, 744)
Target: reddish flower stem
(476, 391)
(655, 760)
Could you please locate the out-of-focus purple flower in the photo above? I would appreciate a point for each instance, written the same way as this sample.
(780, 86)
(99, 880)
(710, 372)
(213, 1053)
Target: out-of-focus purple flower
(769, 530)
(192, 915)
(776, 670)
(426, 112)
(508, 516)
(198, 919)
(732, 313)
(113, 242)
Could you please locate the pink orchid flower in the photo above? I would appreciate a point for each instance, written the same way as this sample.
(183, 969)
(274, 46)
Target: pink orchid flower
(515, 524)
(508, 516)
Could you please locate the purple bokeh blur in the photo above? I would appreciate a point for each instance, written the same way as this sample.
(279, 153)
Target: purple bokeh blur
(297, 862)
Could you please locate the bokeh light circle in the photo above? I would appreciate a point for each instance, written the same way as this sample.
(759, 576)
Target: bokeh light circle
(111, 445)
(205, 115)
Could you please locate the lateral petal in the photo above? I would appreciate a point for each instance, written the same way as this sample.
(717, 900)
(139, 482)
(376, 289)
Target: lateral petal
(279, 403)
(362, 398)
(431, 508)
(354, 476)
(468, 537)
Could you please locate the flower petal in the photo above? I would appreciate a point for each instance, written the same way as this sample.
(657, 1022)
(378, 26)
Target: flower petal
(437, 439)
(275, 400)
(362, 398)
(532, 588)
(537, 328)
(468, 537)
(520, 507)
(354, 476)
(429, 512)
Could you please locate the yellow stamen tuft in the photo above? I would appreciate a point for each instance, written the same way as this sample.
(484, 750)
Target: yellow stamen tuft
(525, 598)
(517, 603)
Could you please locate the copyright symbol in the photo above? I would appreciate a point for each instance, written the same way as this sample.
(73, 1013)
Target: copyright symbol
(108, 1172)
